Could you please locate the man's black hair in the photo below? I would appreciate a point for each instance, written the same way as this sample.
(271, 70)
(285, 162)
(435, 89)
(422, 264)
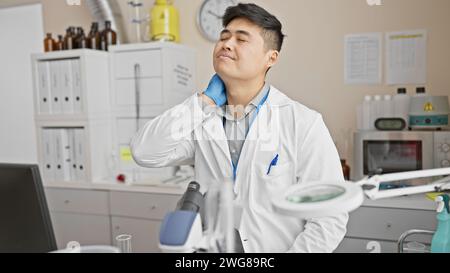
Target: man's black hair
(272, 34)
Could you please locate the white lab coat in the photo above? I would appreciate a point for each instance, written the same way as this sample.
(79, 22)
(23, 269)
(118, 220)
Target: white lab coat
(186, 135)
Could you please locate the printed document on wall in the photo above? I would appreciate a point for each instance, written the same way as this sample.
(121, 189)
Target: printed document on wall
(406, 57)
(363, 58)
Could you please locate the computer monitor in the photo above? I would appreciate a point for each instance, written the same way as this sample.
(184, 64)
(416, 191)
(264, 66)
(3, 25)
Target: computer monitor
(24, 216)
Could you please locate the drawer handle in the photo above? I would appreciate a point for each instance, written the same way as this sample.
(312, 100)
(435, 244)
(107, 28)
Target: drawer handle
(117, 227)
(389, 225)
(66, 202)
(152, 207)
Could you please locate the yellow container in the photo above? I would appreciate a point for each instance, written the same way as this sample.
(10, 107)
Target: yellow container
(165, 23)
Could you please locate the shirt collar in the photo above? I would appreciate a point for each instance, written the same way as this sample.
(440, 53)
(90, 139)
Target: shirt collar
(253, 103)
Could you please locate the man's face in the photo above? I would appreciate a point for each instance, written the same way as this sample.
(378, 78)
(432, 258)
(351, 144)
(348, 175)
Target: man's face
(240, 52)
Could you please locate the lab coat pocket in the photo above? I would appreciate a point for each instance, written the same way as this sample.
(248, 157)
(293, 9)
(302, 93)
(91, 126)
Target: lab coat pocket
(279, 175)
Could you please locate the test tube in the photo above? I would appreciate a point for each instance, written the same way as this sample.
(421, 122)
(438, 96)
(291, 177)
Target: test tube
(124, 243)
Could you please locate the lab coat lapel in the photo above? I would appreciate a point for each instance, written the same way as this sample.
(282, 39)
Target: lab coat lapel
(215, 135)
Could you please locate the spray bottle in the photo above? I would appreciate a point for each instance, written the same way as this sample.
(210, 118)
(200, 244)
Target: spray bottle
(441, 238)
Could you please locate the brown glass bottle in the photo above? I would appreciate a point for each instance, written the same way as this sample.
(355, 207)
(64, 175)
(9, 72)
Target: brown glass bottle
(60, 43)
(68, 39)
(109, 35)
(345, 169)
(49, 43)
(81, 41)
(94, 37)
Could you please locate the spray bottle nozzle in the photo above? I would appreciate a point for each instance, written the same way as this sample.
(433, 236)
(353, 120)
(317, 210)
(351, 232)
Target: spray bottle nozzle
(443, 202)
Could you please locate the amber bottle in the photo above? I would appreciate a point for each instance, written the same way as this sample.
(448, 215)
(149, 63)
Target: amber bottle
(68, 39)
(94, 38)
(109, 36)
(345, 169)
(49, 43)
(60, 43)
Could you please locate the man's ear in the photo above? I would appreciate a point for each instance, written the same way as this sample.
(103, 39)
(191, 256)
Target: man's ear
(273, 57)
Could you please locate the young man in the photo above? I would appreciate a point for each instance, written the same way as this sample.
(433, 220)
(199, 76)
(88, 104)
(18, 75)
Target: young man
(262, 140)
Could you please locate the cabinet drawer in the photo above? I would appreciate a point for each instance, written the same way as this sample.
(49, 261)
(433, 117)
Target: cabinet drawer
(354, 245)
(78, 201)
(388, 224)
(142, 205)
(150, 91)
(86, 229)
(149, 62)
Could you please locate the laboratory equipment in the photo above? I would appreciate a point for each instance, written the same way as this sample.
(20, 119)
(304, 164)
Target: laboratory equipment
(397, 151)
(164, 24)
(194, 228)
(401, 103)
(181, 230)
(321, 199)
(428, 112)
(124, 243)
(26, 224)
(390, 124)
(441, 238)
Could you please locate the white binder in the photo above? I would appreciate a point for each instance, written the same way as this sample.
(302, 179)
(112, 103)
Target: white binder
(67, 86)
(73, 160)
(80, 154)
(56, 86)
(77, 86)
(62, 155)
(43, 72)
(48, 154)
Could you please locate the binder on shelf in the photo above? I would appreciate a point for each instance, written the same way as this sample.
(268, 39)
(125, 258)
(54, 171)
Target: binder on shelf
(62, 155)
(72, 154)
(67, 86)
(48, 155)
(56, 87)
(80, 154)
(43, 72)
(76, 86)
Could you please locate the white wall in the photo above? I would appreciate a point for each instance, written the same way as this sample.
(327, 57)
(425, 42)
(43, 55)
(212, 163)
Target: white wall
(21, 29)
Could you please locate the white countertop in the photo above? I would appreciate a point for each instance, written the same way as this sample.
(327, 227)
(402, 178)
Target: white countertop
(417, 201)
(164, 188)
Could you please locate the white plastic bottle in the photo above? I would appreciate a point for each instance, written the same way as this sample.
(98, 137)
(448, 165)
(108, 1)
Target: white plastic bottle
(366, 113)
(388, 107)
(377, 110)
(401, 105)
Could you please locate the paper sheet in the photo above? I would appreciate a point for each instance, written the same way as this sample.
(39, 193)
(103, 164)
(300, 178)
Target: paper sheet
(406, 57)
(363, 58)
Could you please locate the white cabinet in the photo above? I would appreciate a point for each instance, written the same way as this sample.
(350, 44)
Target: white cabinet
(146, 80)
(79, 215)
(87, 229)
(73, 115)
(93, 217)
(140, 214)
(384, 221)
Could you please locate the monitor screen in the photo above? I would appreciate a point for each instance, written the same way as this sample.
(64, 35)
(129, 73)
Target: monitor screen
(26, 224)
